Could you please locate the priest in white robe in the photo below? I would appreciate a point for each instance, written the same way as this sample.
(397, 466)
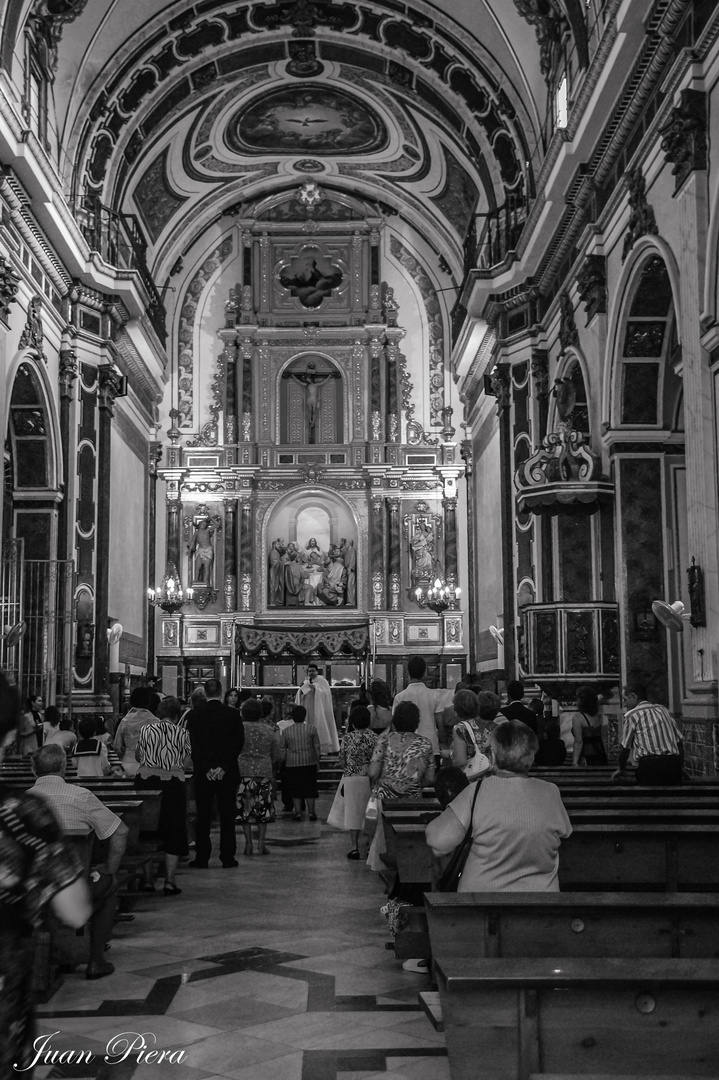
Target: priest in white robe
(316, 696)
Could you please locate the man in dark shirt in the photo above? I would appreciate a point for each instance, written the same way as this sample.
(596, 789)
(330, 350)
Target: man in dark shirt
(515, 709)
(216, 739)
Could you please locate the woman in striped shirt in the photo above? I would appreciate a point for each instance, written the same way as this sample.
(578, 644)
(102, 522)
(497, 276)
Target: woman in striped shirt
(163, 748)
(300, 750)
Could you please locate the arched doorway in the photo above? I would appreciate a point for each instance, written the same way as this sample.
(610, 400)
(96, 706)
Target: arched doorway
(35, 587)
(648, 451)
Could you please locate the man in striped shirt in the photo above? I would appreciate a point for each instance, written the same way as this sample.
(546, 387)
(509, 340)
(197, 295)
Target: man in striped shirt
(655, 738)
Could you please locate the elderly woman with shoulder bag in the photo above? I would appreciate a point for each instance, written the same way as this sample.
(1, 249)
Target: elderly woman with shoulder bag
(517, 821)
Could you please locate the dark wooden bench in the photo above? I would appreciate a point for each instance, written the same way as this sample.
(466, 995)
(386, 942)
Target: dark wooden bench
(652, 857)
(573, 924)
(47, 976)
(566, 1018)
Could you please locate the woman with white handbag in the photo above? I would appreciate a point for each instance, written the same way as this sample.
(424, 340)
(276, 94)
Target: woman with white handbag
(350, 802)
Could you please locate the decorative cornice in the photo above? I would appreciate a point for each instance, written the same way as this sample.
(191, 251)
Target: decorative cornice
(18, 205)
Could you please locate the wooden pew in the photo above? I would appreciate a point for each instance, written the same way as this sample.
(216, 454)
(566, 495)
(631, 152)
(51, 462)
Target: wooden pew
(630, 856)
(564, 1018)
(47, 976)
(624, 855)
(573, 924)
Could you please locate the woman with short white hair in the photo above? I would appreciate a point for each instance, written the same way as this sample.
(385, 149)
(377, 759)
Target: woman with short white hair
(517, 825)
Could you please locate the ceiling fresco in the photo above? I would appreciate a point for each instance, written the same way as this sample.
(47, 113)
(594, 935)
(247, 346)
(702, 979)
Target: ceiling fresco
(179, 110)
(306, 119)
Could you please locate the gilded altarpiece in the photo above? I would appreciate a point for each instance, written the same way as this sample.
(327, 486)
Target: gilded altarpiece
(310, 492)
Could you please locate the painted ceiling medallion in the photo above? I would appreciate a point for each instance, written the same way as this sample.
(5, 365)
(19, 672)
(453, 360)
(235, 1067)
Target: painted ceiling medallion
(315, 119)
(310, 277)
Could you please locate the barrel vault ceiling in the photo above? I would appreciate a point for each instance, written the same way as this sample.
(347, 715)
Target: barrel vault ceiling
(181, 113)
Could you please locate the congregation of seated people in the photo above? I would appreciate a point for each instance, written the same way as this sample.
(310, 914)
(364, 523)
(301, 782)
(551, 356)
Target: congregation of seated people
(502, 773)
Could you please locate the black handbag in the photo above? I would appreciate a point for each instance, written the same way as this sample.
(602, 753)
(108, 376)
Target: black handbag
(448, 880)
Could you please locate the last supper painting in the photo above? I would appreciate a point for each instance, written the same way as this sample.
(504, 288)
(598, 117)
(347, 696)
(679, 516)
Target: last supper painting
(304, 119)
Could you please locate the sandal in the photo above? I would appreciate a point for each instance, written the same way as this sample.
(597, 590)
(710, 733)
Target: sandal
(354, 854)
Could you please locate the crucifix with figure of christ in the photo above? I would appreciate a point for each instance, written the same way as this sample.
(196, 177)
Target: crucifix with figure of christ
(312, 380)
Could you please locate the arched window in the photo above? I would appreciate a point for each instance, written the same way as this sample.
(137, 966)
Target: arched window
(647, 342)
(28, 435)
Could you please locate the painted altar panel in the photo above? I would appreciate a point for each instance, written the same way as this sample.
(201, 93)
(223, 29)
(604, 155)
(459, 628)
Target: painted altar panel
(311, 277)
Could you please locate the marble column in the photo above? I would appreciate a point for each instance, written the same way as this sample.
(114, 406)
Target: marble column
(467, 452)
(376, 389)
(68, 374)
(377, 553)
(246, 556)
(109, 387)
(247, 393)
(230, 393)
(502, 386)
(154, 458)
(450, 538)
(394, 568)
(173, 532)
(392, 434)
(701, 463)
(230, 587)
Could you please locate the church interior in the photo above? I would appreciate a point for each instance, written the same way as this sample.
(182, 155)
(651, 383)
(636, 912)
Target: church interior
(400, 309)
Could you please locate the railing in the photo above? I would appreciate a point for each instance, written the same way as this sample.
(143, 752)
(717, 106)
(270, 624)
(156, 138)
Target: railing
(117, 237)
(38, 593)
(500, 232)
(487, 247)
(570, 643)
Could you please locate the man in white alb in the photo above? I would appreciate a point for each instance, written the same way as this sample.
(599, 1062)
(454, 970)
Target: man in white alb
(316, 696)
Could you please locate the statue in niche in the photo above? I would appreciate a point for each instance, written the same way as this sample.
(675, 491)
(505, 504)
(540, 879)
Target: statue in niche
(277, 573)
(349, 557)
(312, 380)
(294, 576)
(314, 560)
(202, 550)
(422, 546)
(331, 590)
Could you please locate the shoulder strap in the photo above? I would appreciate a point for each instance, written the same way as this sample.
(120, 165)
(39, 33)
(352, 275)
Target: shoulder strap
(474, 801)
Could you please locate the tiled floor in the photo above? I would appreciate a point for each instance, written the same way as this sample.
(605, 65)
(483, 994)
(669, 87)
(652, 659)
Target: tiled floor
(274, 971)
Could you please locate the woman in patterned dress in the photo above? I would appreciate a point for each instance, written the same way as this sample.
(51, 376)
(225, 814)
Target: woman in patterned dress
(356, 752)
(255, 795)
(401, 764)
(37, 870)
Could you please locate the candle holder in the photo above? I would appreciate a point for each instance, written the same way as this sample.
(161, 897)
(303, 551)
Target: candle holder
(439, 597)
(169, 596)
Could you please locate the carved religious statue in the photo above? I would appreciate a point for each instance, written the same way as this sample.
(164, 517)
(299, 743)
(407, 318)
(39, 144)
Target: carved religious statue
(331, 590)
(202, 550)
(312, 380)
(422, 546)
(310, 577)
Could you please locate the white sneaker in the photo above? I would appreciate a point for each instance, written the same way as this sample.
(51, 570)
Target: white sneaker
(420, 966)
